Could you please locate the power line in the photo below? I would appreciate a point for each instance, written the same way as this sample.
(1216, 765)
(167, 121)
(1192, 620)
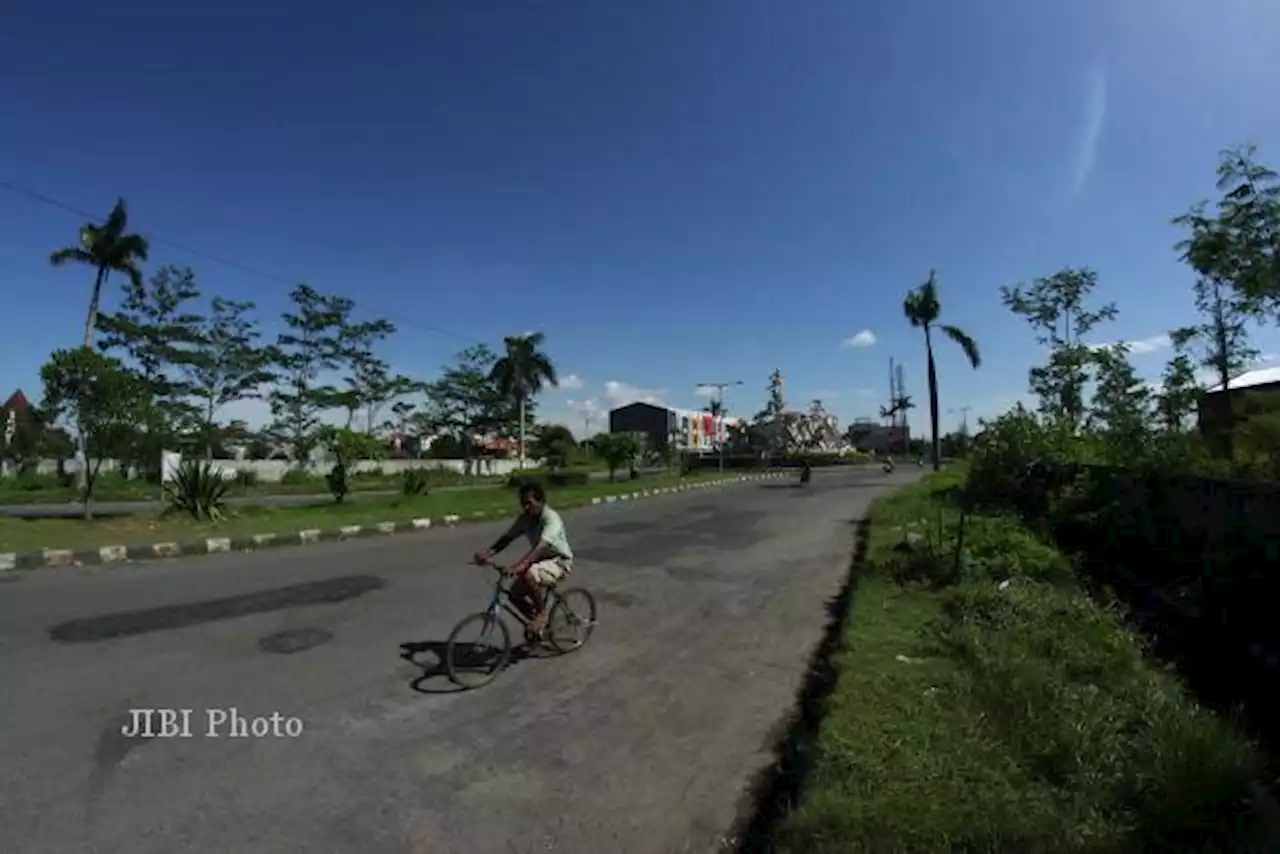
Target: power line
(248, 269)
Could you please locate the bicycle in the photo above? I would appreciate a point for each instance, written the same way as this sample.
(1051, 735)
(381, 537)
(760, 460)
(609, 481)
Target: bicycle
(494, 628)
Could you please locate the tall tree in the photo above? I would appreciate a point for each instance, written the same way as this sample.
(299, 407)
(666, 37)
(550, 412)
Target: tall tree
(311, 346)
(225, 364)
(1248, 222)
(1236, 255)
(1056, 308)
(521, 374)
(371, 386)
(1121, 410)
(922, 309)
(465, 400)
(108, 248)
(155, 330)
(100, 399)
(1179, 391)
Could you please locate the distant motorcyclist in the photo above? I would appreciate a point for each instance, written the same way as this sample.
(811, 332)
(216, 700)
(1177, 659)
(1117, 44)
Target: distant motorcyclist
(806, 472)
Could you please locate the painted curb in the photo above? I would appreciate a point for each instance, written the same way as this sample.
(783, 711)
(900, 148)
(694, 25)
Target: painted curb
(117, 555)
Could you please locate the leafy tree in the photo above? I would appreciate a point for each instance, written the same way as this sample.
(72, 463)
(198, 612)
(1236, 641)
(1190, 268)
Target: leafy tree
(768, 428)
(226, 364)
(617, 450)
(108, 248)
(555, 445)
(311, 345)
(1055, 306)
(101, 399)
(347, 446)
(1242, 247)
(1179, 390)
(370, 385)
(922, 310)
(521, 374)
(714, 407)
(155, 331)
(1121, 408)
(465, 400)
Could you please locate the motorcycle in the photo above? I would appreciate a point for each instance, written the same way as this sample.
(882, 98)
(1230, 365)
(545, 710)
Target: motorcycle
(888, 467)
(805, 474)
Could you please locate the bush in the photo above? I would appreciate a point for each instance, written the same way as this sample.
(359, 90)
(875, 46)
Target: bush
(336, 480)
(199, 490)
(297, 477)
(415, 481)
(558, 479)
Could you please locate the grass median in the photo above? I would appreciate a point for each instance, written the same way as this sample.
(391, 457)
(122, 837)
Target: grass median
(27, 535)
(970, 714)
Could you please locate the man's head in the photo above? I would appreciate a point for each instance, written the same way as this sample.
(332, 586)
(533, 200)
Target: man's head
(532, 499)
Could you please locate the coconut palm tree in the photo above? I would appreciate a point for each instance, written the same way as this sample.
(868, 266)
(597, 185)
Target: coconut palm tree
(922, 309)
(108, 248)
(522, 373)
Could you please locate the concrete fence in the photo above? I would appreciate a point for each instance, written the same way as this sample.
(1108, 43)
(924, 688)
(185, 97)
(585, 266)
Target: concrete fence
(272, 471)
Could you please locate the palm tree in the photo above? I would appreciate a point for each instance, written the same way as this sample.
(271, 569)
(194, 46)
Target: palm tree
(922, 308)
(522, 373)
(109, 249)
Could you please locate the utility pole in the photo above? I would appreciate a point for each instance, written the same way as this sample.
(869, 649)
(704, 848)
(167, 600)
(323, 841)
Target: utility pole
(719, 398)
(964, 419)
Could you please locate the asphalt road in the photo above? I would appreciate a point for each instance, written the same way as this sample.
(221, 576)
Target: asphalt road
(72, 510)
(644, 741)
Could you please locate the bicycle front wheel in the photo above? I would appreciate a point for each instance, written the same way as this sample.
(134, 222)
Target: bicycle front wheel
(573, 618)
(478, 648)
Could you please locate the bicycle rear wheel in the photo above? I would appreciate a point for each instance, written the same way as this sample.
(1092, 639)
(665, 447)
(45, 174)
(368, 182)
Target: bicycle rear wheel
(572, 620)
(475, 663)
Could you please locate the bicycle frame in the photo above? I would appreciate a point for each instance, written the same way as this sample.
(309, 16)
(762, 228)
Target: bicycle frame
(501, 600)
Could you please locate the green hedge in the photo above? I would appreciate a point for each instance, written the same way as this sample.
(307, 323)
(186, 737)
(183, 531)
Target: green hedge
(553, 479)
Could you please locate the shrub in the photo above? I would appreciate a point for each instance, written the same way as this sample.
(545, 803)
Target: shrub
(336, 480)
(415, 481)
(297, 477)
(199, 490)
(558, 479)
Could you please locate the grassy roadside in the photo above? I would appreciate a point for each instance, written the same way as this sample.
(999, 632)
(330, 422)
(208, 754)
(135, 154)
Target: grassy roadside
(971, 715)
(113, 487)
(24, 535)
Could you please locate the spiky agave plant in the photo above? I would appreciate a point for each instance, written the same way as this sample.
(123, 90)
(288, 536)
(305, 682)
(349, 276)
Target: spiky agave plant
(199, 490)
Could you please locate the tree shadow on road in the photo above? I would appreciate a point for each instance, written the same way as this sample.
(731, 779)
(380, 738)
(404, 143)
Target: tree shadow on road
(778, 787)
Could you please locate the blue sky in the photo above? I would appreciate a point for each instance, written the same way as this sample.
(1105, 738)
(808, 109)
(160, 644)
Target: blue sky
(674, 192)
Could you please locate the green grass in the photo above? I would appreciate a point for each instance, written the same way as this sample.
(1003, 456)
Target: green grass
(45, 489)
(1024, 718)
(21, 535)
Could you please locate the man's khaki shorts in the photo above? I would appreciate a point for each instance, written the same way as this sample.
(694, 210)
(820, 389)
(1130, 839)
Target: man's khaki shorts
(548, 572)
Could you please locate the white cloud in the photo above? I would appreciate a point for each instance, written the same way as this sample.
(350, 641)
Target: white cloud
(1095, 117)
(865, 338)
(705, 391)
(620, 394)
(590, 406)
(570, 382)
(1140, 346)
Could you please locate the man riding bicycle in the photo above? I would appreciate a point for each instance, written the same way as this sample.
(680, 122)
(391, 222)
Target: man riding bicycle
(548, 560)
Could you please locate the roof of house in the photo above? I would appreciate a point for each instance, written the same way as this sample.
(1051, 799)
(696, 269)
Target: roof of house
(18, 401)
(1250, 379)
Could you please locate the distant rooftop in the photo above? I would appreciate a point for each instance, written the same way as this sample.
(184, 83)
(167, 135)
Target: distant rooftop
(1250, 379)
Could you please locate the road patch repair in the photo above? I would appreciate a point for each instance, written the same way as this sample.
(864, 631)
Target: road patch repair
(125, 554)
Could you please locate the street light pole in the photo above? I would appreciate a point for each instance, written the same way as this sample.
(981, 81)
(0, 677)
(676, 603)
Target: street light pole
(720, 387)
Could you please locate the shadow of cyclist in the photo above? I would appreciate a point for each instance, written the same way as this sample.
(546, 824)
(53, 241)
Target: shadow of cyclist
(436, 672)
